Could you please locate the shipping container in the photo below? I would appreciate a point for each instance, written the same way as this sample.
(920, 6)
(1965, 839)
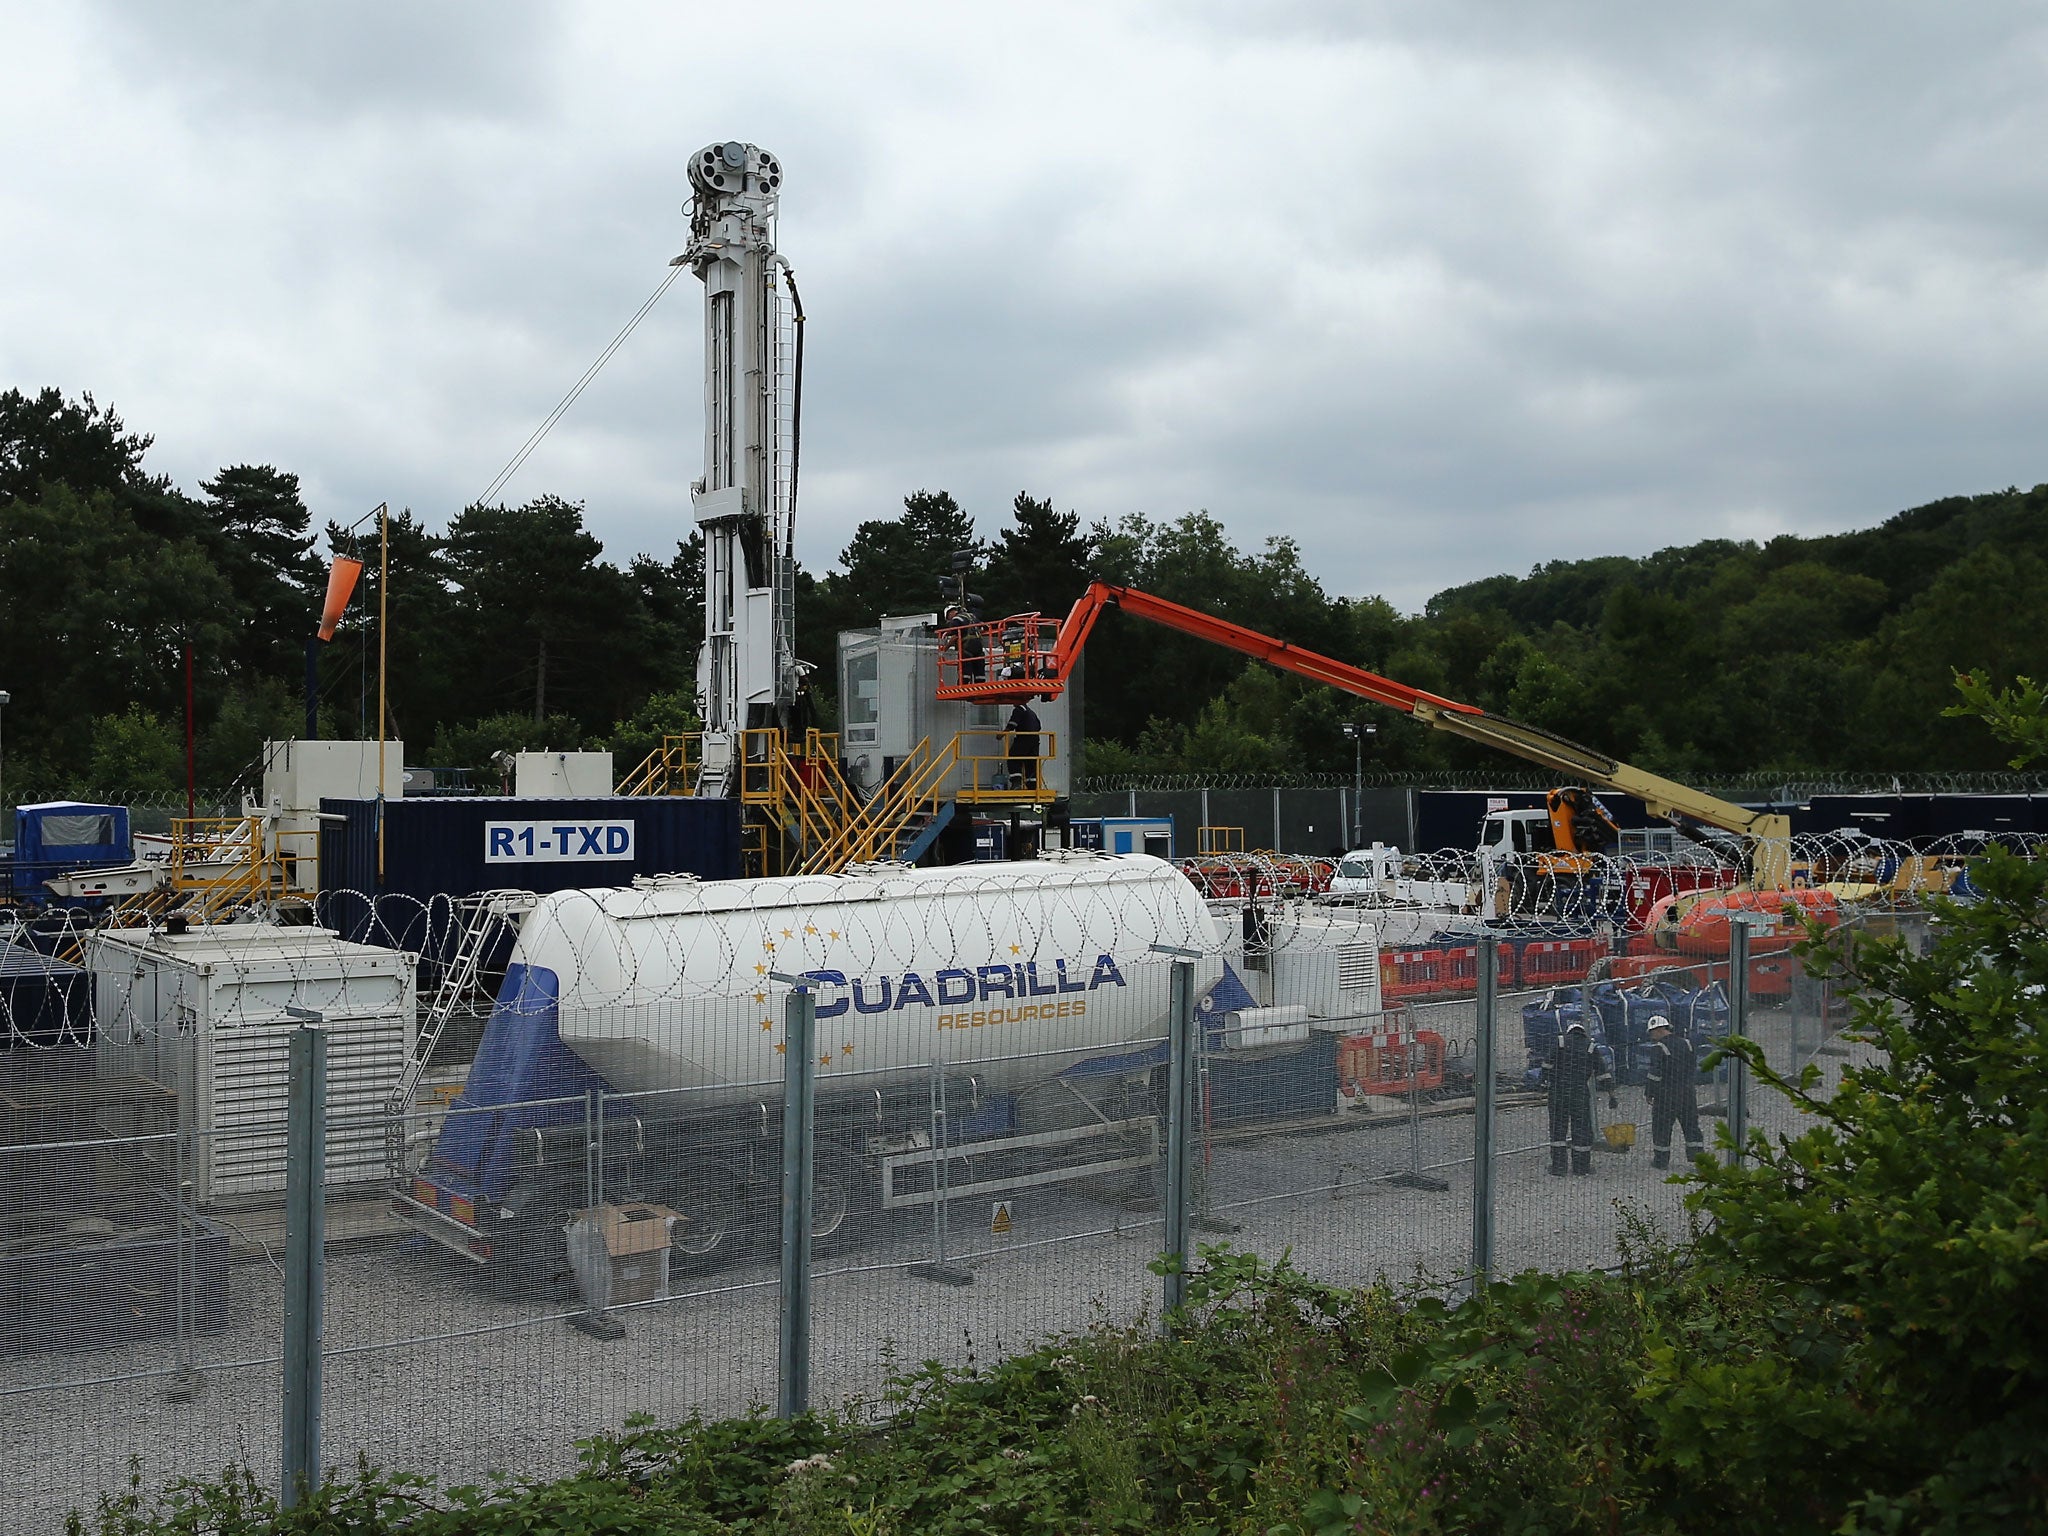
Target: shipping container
(2011, 817)
(1894, 818)
(44, 1001)
(436, 851)
(1125, 834)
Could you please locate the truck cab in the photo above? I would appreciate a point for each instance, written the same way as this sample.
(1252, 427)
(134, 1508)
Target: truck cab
(1547, 860)
(1504, 834)
(1367, 871)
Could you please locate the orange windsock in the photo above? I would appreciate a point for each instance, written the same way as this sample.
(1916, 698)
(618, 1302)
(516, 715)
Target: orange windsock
(341, 585)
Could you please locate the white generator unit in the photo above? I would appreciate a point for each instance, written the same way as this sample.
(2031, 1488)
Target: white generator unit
(561, 775)
(203, 1013)
(1247, 1029)
(1294, 954)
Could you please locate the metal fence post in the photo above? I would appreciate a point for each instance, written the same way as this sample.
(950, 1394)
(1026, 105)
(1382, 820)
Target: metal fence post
(1738, 1023)
(591, 1110)
(939, 1266)
(799, 1082)
(1412, 1177)
(305, 1234)
(1180, 1127)
(940, 1203)
(1483, 1082)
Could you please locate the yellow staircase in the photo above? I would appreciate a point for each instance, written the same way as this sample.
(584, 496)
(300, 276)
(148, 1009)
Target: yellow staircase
(670, 769)
(804, 818)
(220, 866)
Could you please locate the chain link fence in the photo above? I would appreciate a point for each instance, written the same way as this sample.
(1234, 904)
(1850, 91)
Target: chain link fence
(999, 1135)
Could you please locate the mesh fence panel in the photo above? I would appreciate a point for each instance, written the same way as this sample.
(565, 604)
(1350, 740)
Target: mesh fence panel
(1345, 1142)
(139, 1335)
(1012, 1192)
(507, 1273)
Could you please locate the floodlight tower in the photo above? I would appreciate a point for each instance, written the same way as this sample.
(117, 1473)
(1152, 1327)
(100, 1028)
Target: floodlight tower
(747, 673)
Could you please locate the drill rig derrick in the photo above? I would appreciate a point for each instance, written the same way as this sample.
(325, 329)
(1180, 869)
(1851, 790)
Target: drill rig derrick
(747, 672)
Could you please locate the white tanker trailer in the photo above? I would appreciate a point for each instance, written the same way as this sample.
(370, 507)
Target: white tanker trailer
(1025, 999)
(1021, 969)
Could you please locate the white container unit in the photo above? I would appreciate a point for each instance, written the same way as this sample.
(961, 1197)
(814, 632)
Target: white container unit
(298, 774)
(561, 775)
(203, 1013)
(1323, 960)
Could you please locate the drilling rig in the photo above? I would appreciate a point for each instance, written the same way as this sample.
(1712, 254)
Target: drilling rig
(747, 672)
(799, 812)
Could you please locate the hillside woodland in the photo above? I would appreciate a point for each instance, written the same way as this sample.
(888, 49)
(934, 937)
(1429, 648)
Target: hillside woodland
(511, 628)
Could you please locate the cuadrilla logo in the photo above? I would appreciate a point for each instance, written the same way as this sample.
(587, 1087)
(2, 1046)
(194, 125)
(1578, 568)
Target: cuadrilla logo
(957, 986)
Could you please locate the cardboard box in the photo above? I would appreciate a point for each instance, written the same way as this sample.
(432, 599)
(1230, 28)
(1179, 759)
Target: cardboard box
(620, 1253)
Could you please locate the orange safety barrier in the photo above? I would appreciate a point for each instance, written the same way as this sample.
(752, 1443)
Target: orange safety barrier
(1769, 975)
(1412, 973)
(1553, 962)
(1390, 1063)
(1461, 968)
(1406, 973)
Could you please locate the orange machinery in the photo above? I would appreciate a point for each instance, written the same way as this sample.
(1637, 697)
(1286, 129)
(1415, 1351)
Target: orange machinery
(1026, 656)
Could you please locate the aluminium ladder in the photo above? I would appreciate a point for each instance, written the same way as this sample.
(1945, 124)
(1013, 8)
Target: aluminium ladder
(481, 915)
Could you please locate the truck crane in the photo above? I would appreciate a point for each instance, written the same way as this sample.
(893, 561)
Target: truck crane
(1038, 657)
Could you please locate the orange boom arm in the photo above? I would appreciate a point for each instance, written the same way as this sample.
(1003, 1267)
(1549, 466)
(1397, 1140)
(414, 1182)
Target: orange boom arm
(1204, 626)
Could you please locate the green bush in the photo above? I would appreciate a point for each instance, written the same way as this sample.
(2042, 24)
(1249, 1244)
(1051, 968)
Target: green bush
(1908, 1231)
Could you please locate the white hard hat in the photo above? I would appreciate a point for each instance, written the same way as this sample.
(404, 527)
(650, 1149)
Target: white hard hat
(1658, 1021)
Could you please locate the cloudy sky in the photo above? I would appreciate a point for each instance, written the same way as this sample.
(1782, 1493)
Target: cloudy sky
(1436, 289)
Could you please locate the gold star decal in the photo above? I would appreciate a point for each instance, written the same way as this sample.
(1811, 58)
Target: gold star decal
(811, 928)
(1016, 949)
(769, 945)
(825, 1060)
(780, 1047)
(831, 933)
(768, 1024)
(787, 934)
(760, 997)
(760, 970)
(846, 1049)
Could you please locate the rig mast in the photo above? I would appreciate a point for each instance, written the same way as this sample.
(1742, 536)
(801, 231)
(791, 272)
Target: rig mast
(747, 673)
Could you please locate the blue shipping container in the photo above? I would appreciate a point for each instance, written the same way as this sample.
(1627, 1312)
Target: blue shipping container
(436, 850)
(44, 1001)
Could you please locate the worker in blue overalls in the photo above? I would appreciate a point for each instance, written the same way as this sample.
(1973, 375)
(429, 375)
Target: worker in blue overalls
(1672, 1087)
(1573, 1070)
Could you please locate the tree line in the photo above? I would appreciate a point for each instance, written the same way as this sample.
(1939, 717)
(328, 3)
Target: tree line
(511, 630)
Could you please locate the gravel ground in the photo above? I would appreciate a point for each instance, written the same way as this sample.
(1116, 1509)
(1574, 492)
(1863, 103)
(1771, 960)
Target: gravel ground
(428, 1372)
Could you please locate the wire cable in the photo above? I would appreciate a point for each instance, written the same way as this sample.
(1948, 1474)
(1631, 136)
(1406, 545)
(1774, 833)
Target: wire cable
(796, 409)
(526, 449)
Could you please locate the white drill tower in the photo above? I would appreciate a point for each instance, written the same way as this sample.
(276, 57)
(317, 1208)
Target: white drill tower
(747, 672)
